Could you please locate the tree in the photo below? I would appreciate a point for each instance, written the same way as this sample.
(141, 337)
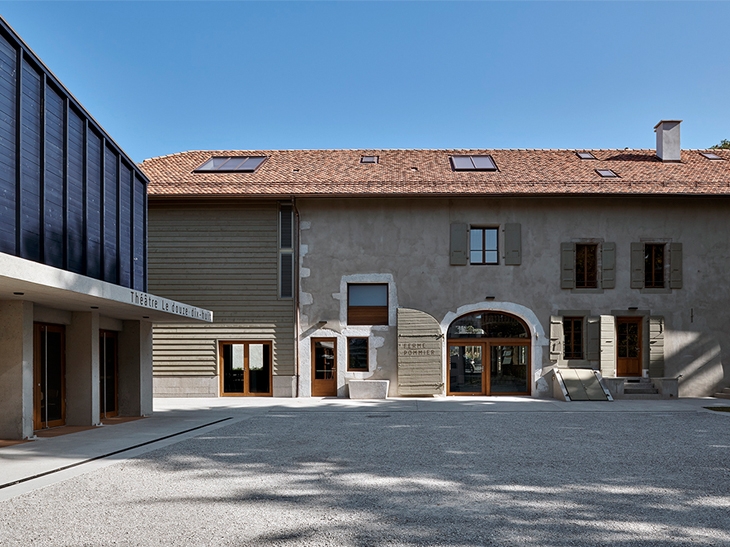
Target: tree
(724, 143)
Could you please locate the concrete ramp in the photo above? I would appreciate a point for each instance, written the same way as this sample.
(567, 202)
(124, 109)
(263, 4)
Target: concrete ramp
(582, 384)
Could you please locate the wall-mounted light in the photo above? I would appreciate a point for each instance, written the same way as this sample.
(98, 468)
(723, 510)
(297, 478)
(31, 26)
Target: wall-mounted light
(18, 293)
(145, 317)
(633, 308)
(489, 298)
(94, 307)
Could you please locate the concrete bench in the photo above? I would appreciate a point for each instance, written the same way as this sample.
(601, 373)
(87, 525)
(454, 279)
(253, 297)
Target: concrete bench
(368, 389)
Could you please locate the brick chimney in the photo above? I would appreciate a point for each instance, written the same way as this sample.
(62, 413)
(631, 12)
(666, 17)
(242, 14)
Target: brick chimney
(667, 140)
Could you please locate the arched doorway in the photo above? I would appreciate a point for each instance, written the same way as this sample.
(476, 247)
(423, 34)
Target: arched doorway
(488, 354)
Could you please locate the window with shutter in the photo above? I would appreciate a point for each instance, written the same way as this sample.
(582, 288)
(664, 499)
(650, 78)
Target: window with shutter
(573, 338)
(656, 265)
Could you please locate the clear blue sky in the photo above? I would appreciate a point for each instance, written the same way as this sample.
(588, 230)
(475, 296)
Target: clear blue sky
(164, 77)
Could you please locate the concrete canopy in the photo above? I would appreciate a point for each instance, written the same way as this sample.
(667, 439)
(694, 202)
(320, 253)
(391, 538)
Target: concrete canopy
(22, 279)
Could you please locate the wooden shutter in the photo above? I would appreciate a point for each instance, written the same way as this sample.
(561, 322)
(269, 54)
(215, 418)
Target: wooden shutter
(567, 265)
(512, 244)
(593, 338)
(286, 275)
(656, 347)
(459, 240)
(420, 350)
(637, 265)
(675, 263)
(608, 266)
(608, 346)
(556, 338)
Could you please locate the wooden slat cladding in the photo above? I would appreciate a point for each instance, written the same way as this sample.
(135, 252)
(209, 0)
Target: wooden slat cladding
(224, 257)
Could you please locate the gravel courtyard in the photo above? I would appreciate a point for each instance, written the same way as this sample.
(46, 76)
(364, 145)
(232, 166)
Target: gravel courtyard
(387, 474)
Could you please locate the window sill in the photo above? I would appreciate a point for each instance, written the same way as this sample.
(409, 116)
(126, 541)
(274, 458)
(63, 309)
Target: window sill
(587, 291)
(655, 291)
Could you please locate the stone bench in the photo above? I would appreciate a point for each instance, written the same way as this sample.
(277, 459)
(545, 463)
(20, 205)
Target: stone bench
(368, 389)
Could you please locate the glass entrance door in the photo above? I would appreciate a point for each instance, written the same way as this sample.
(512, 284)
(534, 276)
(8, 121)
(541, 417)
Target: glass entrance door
(324, 367)
(245, 368)
(508, 369)
(505, 371)
(108, 374)
(465, 369)
(49, 397)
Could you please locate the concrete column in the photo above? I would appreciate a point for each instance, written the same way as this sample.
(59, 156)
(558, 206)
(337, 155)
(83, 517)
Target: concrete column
(82, 369)
(135, 369)
(16, 369)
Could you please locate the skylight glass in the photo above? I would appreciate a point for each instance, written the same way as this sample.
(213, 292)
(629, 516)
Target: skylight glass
(606, 173)
(473, 163)
(586, 156)
(369, 159)
(711, 156)
(232, 164)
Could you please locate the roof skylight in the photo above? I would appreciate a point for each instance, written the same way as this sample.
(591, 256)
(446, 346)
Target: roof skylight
(369, 159)
(711, 156)
(473, 163)
(607, 173)
(232, 164)
(586, 155)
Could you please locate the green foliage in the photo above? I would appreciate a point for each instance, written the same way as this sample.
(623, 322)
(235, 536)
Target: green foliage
(724, 143)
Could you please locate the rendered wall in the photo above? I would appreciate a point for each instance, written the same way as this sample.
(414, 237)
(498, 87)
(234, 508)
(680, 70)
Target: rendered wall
(408, 240)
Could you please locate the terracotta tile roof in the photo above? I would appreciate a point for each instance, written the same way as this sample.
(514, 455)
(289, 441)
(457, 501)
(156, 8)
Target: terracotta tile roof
(429, 172)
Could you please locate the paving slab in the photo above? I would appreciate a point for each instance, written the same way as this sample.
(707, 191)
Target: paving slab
(472, 471)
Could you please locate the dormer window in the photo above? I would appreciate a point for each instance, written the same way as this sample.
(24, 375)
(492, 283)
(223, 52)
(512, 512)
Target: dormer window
(231, 164)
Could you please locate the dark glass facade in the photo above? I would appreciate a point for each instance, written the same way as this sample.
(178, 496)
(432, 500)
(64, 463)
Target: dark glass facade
(69, 197)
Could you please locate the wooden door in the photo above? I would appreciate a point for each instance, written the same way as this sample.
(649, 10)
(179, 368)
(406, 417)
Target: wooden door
(49, 376)
(628, 346)
(324, 367)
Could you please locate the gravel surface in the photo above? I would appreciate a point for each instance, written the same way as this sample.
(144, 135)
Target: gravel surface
(370, 478)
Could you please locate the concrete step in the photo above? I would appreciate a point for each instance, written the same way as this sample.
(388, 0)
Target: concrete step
(641, 391)
(640, 386)
(642, 396)
(722, 395)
